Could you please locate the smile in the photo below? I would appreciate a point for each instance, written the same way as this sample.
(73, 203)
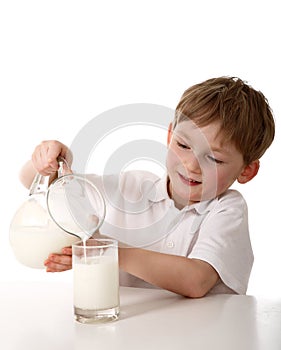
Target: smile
(188, 181)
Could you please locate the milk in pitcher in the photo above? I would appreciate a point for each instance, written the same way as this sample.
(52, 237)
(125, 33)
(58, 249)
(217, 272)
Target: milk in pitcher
(34, 235)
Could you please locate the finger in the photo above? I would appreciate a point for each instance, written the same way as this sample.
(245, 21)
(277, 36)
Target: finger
(52, 152)
(36, 159)
(57, 268)
(54, 267)
(58, 262)
(60, 259)
(41, 162)
(67, 251)
(45, 156)
(49, 153)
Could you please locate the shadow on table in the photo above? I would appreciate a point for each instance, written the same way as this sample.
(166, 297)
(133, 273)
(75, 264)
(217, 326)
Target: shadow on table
(133, 305)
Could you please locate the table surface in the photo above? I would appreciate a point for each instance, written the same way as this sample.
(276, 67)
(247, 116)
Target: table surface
(40, 316)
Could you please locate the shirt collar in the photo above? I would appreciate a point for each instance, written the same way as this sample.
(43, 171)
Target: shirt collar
(204, 207)
(158, 192)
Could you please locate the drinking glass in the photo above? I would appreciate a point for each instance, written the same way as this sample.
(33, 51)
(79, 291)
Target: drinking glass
(96, 280)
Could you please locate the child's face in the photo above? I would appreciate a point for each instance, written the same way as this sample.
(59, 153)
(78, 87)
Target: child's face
(200, 164)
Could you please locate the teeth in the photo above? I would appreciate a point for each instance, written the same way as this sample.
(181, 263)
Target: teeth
(190, 180)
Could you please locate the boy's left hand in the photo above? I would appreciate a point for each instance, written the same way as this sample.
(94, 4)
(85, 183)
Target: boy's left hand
(59, 262)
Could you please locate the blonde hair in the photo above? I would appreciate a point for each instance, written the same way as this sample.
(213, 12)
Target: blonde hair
(244, 114)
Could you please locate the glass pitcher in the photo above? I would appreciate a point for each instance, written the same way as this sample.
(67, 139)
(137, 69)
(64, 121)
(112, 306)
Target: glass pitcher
(55, 216)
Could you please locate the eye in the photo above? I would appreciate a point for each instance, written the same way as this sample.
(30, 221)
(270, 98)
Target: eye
(215, 160)
(182, 145)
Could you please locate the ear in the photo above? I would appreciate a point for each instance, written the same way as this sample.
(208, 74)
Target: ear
(249, 172)
(170, 134)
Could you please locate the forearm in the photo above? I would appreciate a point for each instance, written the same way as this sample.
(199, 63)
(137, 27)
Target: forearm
(27, 174)
(188, 277)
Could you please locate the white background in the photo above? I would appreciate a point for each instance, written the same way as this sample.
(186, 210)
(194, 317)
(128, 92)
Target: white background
(64, 62)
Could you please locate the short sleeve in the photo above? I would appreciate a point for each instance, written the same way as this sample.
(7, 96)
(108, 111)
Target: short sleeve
(223, 241)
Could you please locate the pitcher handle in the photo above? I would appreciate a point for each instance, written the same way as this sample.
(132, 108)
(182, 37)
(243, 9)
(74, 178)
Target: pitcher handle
(40, 183)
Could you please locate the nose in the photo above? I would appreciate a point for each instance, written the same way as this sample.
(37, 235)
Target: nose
(191, 163)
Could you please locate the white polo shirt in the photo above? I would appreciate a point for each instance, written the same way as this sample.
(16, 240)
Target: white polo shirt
(139, 212)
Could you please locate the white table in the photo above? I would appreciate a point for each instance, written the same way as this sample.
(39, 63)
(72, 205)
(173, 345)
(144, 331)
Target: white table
(40, 316)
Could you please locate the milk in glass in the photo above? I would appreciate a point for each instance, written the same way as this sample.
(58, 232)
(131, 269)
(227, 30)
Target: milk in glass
(96, 283)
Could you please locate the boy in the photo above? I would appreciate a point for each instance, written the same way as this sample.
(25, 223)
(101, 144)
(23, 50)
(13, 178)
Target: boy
(187, 232)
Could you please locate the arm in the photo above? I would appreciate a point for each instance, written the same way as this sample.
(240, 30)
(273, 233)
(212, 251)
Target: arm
(27, 174)
(188, 277)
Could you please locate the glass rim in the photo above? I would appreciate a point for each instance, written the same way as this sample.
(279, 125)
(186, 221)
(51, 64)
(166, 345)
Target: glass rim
(108, 242)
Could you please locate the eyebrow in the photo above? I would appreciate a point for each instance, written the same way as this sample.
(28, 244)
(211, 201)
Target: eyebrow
(182, 136)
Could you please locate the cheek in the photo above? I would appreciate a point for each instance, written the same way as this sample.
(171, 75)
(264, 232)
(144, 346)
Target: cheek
(171, 159)
(223, 181)
(210, 182)
(215, 179)
(210, 173)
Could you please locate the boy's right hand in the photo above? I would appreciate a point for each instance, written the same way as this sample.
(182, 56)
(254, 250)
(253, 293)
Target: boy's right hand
(44, 161)
(44, 157)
